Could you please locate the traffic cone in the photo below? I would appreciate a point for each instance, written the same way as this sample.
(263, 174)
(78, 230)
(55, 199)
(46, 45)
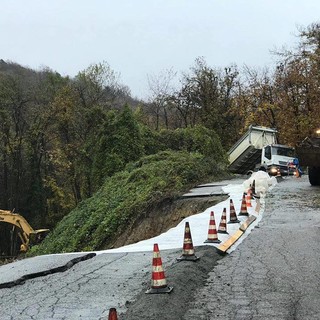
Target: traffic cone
(243, 210)
(233, 215)
(113, 314)
(212, 232)
(188, 250)
(158, 281)
(253, 188)
(257, 208)
(248, 198)
(223, 222)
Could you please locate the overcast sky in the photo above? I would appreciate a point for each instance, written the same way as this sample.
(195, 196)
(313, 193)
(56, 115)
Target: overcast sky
(141, 37)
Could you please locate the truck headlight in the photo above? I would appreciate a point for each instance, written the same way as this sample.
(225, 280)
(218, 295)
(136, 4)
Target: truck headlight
(273, 170)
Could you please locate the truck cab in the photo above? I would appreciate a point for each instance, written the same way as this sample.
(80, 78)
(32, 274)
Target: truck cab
(259, 146)
(278, 157)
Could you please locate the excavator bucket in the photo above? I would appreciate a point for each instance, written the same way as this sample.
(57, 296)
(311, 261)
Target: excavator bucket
(38, 235)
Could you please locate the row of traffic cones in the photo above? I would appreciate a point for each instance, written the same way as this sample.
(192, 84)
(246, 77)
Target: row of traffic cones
(158, 282)
(158, 279)
(213, 233)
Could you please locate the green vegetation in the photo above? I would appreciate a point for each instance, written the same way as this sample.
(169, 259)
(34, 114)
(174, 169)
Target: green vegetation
(125, 197)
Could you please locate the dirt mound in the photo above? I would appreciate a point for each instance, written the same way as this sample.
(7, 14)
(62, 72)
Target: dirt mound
(185, 277)
(163, 217)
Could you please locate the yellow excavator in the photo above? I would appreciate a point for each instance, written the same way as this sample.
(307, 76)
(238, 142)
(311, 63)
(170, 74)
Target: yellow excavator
(27, 235)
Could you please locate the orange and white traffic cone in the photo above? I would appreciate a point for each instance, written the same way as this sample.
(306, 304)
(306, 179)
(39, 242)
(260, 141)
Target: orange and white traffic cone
(158, 281)
(223, 223)
(188, 250)
(253, 189)
(278, 172)
(248, 198)
(257, 208)
(113, 314)
(212, 232)
(233, 215)
(243, 210)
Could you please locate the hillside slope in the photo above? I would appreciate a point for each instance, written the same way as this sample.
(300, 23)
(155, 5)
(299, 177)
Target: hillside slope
(126, 199)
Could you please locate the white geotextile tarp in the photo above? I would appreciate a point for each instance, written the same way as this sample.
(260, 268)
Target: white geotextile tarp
(199, 223)
(263, 182)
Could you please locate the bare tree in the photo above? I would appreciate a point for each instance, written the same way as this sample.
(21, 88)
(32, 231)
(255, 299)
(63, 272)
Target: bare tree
(161, 88)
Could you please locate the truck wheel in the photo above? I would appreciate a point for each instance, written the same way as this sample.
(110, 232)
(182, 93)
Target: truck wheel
(314, 175)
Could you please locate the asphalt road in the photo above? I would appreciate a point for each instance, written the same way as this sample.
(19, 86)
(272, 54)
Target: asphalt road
(272, 274)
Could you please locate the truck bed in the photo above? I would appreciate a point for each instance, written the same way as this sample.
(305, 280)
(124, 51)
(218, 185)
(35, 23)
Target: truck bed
(246, 161)
(245, 154)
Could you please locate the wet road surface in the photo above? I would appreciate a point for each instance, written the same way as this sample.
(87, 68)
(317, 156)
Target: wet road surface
(274, 274)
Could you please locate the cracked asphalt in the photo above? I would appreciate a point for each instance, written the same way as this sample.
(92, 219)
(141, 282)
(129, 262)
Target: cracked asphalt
(272, 274)
(85, 291)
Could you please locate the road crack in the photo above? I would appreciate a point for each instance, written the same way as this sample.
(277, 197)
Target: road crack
(44, 273)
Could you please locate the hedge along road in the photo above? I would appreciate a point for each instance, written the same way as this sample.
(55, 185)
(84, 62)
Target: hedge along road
(87, 289)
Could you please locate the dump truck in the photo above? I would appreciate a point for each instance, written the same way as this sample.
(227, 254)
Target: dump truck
(308, 153)
(26, 233)
(257, 147)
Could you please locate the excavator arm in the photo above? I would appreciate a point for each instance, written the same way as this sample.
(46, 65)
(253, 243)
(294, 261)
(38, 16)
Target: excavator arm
(27, 235)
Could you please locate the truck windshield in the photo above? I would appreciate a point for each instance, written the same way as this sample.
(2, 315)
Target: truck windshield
(282, 151)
